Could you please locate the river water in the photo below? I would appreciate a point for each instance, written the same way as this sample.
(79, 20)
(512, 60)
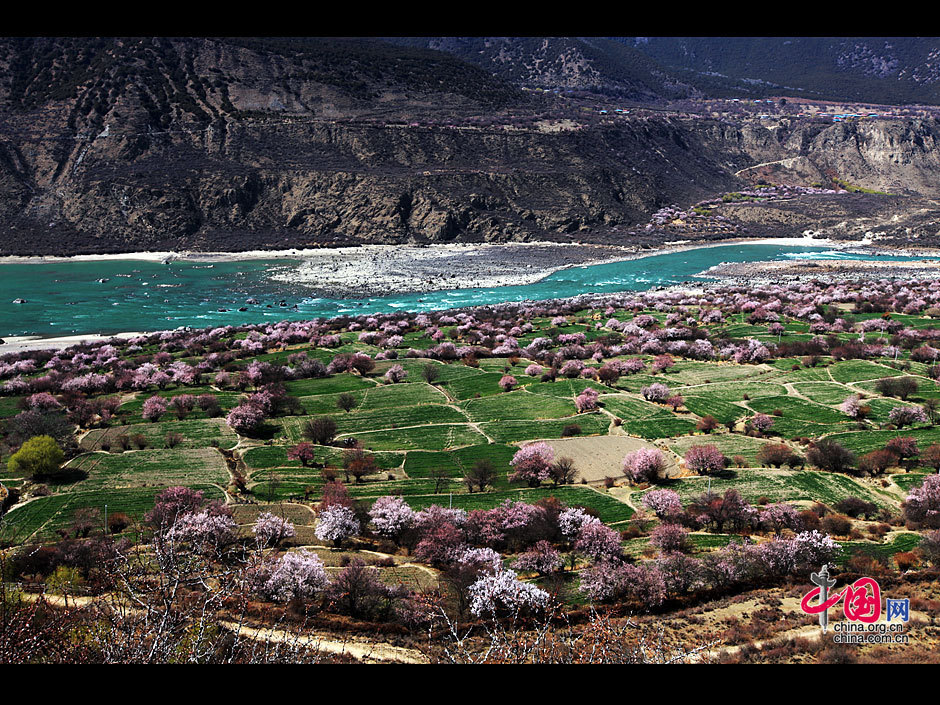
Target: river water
(110, 296)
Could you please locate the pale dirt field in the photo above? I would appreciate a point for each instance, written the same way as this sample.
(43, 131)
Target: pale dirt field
(597, 457)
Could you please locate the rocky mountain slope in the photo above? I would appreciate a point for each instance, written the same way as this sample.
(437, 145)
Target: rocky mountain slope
(876, 69)
(596, 64)
(221, 144)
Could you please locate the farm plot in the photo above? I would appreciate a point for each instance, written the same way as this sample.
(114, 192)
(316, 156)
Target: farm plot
(909, 480)
(659, 427)
(783, 486)
(610, 510)
(631, 408)
(881, 408)
(275, 456)
(734, 391)
(456, 462)
(196, 433)
(131, 411)
(922, 386)
(798, 409)
(806, 374)
(482, 385)
(565, 388)
(431, 437)
(882, 551)
(334, 384)
(515, 431)
(415, 369)
(517, 405)
(634, 383)
(298, 514)
(859, 371)
(828, 393)
(390, 395)
(376, 420)
(150, 468)
(691, 373)
(723, 411)
(598, 457)
(41, 517)
(861, 442)
(731, 444)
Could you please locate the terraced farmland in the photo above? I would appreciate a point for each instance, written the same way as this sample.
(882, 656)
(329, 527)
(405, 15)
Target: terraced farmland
(420, 437)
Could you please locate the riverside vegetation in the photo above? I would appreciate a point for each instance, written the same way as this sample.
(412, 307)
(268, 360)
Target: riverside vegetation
(439, 486)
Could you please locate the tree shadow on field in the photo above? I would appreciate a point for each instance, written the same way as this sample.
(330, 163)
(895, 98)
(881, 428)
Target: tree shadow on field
(266, 432)
(65, 476)
(671, 482)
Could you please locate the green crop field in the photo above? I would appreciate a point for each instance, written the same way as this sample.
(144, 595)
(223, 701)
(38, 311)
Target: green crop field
(421, 436)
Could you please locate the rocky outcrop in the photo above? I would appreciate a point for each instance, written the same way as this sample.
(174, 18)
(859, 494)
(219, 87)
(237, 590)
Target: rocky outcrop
(237, 144)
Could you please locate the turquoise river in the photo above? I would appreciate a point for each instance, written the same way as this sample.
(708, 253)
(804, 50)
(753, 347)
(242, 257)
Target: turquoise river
(110, 296)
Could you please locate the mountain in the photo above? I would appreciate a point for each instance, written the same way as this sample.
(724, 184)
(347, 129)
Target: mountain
(890, 70)
(595, 64)
(129, 144)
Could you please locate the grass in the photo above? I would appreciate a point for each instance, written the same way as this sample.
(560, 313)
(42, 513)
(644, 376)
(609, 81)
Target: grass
(610, 510)
(149, 468)
(517, 431)
(782, 486)
(728, 443)
(518, 405)
(723, 411)
(40, 518)
(430, 437)
(196, 433)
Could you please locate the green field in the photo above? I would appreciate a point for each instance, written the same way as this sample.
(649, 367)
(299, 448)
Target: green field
(425, 436)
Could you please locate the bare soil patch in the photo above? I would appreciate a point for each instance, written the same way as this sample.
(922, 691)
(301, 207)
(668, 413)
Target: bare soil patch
(597, 457)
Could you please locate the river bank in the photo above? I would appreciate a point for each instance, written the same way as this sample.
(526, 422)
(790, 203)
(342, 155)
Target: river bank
(764, 273)
(68, 302)
(376, 270)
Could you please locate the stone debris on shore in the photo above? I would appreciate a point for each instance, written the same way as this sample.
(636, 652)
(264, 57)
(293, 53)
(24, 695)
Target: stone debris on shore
(376, 270)
(763, 273)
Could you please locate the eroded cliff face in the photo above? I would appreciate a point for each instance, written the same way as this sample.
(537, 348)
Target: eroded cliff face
(205, 145)
(303, 183)
(886, 156)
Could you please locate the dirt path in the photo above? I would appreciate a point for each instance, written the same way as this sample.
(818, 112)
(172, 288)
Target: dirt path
(369, 651)
(363, 649)
(778, 161)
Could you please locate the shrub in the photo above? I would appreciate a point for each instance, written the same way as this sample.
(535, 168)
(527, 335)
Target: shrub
(39, 457)
(346, 401)
(831, 456)
(245, 419)
(644, 465)
(704, 459)
(154, 408)
(836, 524)
(707, 424)
(321, 430)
